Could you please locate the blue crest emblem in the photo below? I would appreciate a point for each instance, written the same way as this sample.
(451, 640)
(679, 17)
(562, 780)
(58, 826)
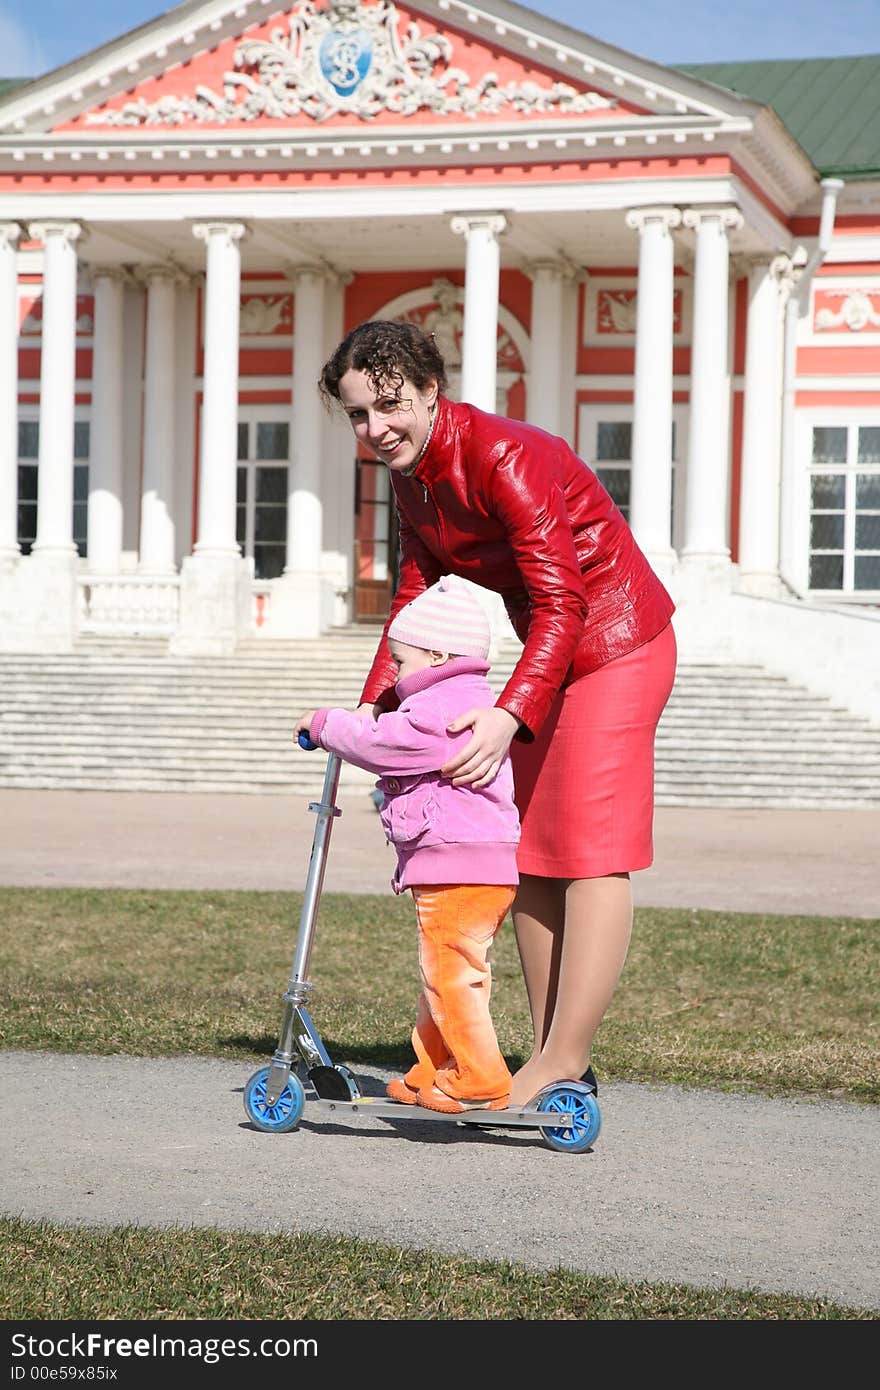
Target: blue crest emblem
(345, 59)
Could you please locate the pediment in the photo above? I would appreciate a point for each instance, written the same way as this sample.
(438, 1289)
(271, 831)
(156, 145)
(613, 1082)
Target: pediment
(215, 66)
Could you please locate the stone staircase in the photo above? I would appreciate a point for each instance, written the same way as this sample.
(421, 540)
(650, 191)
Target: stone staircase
(125, 715)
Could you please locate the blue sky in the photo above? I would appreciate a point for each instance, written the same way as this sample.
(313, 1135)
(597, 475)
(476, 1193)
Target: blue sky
(36, 35)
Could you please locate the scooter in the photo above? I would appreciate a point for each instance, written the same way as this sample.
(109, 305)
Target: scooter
(566, 1113)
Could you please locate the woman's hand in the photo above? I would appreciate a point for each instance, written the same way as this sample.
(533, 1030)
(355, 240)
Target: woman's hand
(479, 761)
(304, 724)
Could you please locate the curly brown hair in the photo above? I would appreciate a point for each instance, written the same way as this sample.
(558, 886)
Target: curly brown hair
(388, 353)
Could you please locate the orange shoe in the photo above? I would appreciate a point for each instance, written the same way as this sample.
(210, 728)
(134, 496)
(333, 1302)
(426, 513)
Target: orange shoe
(434, 1099)
(397, 1089)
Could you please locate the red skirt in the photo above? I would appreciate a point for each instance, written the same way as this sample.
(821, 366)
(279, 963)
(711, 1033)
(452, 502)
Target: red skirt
(585, 786)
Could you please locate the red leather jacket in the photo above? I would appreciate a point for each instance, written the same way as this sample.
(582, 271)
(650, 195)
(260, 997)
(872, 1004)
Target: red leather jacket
(514, 509)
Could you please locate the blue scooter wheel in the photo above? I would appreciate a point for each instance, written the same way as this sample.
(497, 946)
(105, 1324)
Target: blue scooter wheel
(576, 1100)
(281, 1116)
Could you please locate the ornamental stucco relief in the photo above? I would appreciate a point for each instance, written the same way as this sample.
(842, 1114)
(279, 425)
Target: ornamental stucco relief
(347, 58)
(31, 310)
(847, 310)
(443, 318)
(264, 315)
(616, 311)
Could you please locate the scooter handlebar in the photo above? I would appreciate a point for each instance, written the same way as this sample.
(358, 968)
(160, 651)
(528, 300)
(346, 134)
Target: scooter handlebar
(305, 742)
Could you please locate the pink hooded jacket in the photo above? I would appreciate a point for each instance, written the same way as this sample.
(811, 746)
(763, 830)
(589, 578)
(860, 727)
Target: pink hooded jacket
(442, 834)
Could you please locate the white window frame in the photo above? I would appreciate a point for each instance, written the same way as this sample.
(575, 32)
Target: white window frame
(252, 415)
(590, 413)
(829, 417)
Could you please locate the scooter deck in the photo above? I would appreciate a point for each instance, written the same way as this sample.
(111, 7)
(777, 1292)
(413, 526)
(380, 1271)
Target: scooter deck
(383, 1109)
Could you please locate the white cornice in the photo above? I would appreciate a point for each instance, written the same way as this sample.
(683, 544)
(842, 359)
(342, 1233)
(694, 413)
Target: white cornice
(565, 140)
(777, 161)
(548, 142)
(850, 250)
(859, 195)
(97, 205)
(837, 383)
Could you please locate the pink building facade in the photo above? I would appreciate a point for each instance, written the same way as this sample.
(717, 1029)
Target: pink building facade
(640, 261)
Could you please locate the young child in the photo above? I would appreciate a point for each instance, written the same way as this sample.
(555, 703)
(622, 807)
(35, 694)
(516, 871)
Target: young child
(456, 846)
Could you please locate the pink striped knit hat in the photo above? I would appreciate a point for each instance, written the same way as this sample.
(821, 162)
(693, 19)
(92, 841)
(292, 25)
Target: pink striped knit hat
(448, 617)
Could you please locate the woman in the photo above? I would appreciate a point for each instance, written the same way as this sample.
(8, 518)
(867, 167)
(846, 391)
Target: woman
(513, 509)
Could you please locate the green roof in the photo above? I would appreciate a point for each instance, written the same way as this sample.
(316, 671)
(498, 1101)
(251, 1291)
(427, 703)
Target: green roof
(830, 105)
(7, 84)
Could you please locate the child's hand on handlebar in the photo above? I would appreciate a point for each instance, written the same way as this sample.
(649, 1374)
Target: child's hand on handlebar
(304, 724)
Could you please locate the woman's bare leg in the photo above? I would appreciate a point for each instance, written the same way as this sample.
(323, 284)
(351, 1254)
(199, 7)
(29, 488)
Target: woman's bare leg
(539, 922)
(571, 971)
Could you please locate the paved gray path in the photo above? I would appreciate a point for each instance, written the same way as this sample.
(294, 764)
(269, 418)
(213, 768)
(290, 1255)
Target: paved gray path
(692, 1186)
(682, 1186)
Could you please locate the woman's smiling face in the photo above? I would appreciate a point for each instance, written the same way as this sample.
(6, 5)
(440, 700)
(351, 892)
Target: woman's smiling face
(394, 423)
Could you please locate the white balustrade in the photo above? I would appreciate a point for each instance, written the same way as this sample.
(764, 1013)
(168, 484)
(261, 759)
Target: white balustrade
(128, 605)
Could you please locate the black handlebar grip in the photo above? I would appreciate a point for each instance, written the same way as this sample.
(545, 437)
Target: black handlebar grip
(305, 742)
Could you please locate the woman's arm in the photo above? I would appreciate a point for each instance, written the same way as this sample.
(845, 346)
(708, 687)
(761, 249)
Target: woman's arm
(526, 494)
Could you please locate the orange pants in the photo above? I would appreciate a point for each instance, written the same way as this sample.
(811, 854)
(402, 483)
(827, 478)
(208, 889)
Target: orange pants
(454, 1039)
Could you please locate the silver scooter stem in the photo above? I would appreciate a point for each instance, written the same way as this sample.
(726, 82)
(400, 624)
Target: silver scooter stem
(297, 1030)
(326, 810)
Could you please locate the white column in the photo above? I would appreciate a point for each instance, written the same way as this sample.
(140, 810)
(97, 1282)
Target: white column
(551, 282)
(707, 473)
(651, 484)
(337, 479)
(760, 478)
(299, 606)
(570, 331)
(219, 439)
(105, 438)
(215, 596)
(157, 539)
(9, 547)
(479, 357)
(304, 516)
(57, 385)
